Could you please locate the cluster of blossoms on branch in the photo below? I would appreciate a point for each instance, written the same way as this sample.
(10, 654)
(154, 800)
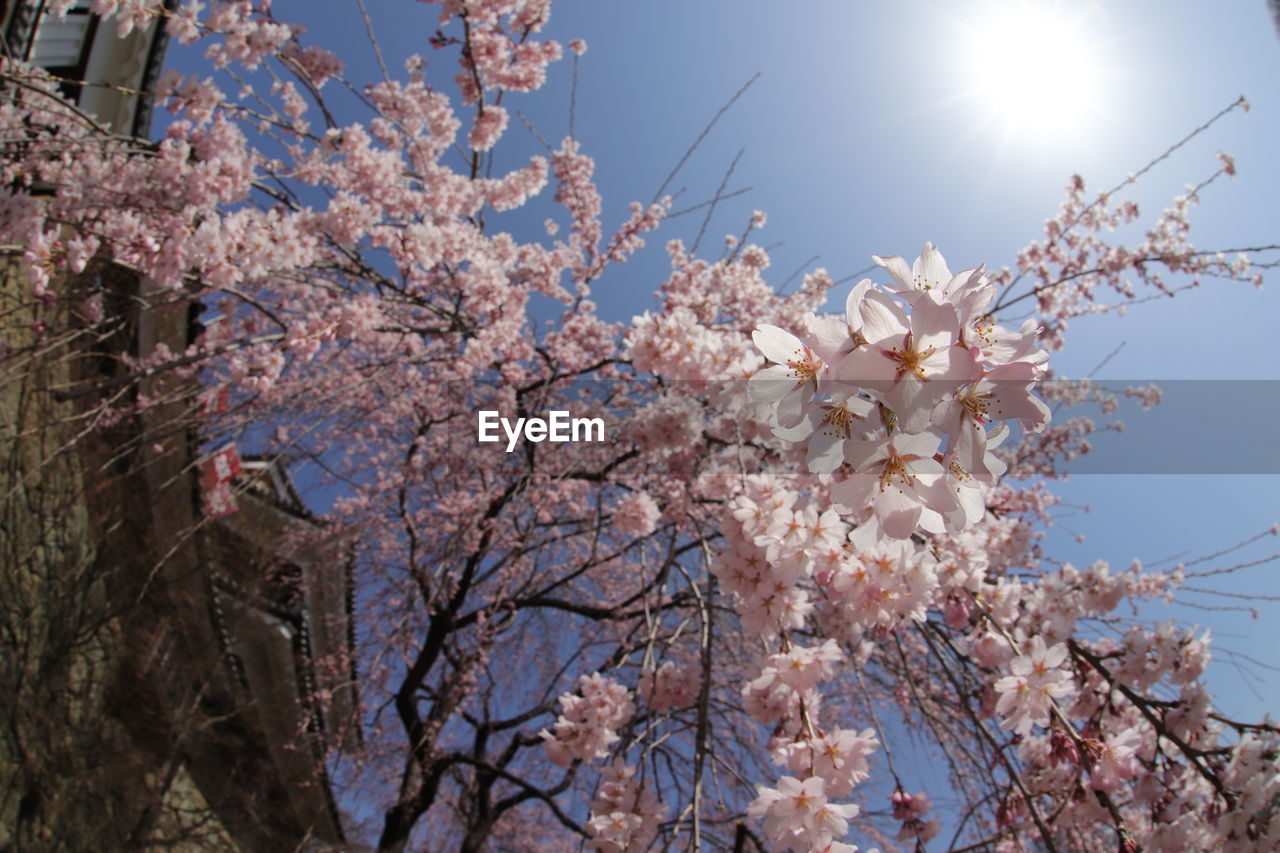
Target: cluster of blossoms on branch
(588, 722)
(624, 815)
(942, 372)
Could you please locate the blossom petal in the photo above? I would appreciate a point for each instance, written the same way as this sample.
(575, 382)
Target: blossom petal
(770, 384)
(930, 269)
(854, 492)
(898, 512)
(923, 444)
(896, 266)
(778, 345)
(883, 320)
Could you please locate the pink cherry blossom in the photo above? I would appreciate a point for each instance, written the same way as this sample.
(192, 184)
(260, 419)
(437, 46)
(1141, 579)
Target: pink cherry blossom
(792, 377)
(899, 478)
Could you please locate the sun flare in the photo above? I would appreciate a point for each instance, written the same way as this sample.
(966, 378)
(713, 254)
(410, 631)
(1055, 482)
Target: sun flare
(1036, 68)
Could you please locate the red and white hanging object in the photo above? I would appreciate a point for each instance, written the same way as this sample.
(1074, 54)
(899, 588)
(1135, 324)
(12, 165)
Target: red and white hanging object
(216, 474)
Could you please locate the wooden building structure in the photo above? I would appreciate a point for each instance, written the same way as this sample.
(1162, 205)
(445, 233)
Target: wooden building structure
(167, 680)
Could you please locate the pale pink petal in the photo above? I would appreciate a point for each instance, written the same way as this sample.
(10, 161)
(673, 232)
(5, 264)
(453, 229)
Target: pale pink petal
(898, 512)
(770, 384)
(863, 454)
(930, 270)
(896, 266)
(923, 444)
(778, 345)
(826, 452)
(883, 320)
(855, 492)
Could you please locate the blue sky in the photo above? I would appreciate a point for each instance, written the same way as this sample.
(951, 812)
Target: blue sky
(876, 127)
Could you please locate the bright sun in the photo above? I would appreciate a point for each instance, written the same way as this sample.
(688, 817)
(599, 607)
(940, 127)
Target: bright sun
(1036, 70)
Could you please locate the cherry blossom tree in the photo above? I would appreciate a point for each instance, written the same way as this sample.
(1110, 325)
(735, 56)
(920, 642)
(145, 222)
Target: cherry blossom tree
(803, 532)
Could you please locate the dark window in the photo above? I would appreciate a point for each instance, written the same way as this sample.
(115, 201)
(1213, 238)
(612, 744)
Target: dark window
(61, 45)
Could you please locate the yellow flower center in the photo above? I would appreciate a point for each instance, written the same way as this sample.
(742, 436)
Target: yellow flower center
(910, 360)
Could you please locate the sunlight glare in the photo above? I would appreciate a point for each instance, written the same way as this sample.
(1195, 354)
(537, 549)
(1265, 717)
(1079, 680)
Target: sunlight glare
(1036, 71)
